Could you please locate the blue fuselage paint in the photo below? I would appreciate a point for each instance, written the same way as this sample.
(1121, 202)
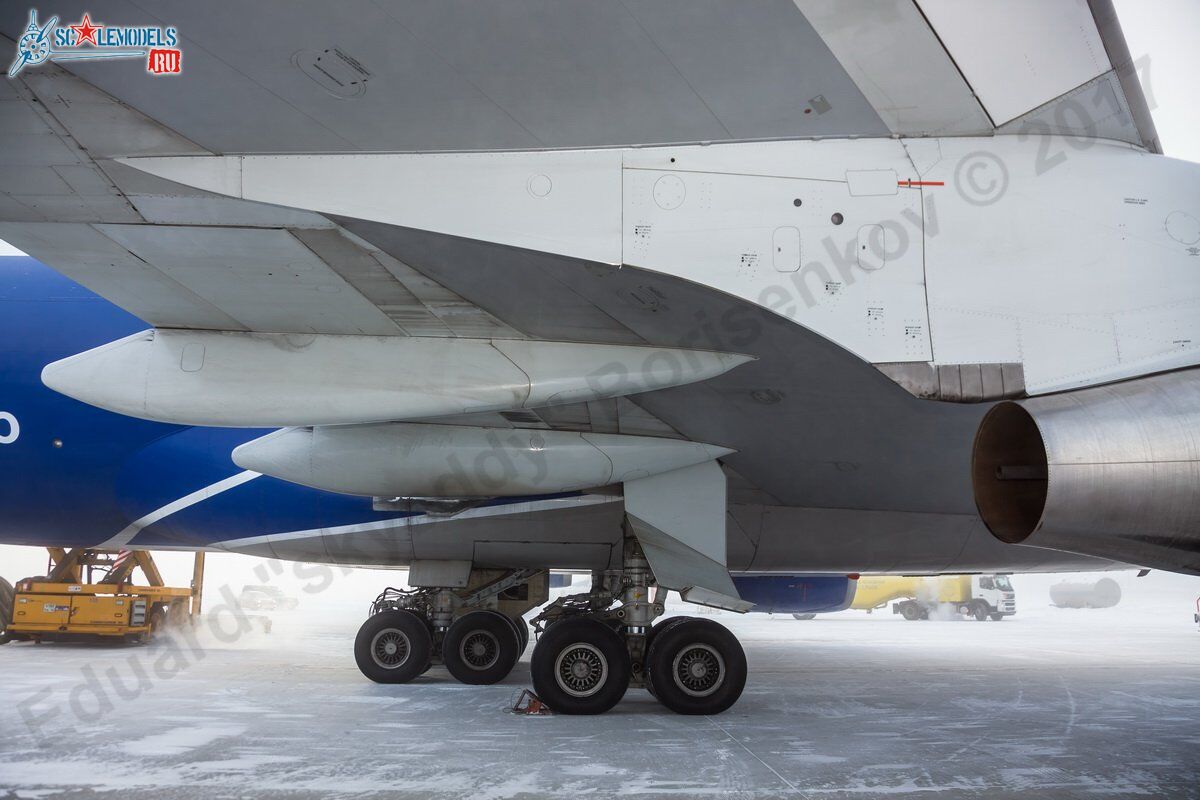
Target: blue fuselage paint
(72, 475)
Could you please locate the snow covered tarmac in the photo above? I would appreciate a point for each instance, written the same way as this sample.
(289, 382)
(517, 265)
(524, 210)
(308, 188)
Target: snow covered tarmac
(1050, 703)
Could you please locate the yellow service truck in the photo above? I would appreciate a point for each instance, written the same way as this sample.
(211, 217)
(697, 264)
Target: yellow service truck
(90, 593)
(979, 596)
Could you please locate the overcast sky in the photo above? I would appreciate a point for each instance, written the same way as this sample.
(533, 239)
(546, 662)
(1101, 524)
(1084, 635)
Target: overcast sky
(1167, 31)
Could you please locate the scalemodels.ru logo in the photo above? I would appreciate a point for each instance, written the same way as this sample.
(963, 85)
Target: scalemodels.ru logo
(94, 41)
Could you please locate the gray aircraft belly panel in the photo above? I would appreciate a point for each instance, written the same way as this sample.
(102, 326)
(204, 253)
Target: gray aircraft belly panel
(840, 540)
(588, 537)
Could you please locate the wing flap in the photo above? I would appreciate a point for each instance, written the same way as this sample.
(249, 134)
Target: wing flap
(1019, 54)
(974, 67)
(892, 54)
(180, 257)
(93, 260)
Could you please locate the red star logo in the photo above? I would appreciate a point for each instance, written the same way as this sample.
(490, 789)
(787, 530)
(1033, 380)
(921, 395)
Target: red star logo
(85, 31)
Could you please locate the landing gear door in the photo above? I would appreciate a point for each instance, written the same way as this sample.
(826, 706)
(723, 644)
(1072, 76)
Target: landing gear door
(679, 520)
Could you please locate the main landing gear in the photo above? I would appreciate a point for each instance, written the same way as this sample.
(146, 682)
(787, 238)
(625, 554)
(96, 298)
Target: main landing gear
(591, 647)
(477, 632)
(591, 651)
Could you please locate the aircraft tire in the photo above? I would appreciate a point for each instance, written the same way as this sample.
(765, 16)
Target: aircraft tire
(481, 647)
(661, 626)
(6, 609)
(522, 629)
(696, 666)
(580, 666)
(393, 647)
(650, 634)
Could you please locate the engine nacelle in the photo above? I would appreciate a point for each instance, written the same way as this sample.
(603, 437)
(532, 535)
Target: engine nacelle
(1110, 471)
(408, 459)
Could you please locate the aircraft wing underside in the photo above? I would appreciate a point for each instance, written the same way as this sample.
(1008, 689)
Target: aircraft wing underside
(521, 75)
(180, 257)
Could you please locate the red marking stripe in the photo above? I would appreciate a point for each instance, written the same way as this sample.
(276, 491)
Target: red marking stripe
(910, 183)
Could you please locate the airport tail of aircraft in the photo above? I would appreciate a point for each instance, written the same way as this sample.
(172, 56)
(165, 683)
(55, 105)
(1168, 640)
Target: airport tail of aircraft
(629, 305)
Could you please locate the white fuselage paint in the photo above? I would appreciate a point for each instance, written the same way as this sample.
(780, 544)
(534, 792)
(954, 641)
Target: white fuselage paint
(1079, 259)
(10, 429)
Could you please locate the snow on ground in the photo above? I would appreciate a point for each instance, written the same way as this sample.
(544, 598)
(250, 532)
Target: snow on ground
(1053, 702)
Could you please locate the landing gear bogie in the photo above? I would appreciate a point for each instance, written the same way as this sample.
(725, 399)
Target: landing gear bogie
(476, 631)
(591, 648)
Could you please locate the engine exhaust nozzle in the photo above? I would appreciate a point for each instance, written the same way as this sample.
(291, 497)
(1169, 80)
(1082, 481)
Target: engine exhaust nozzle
(1111, 471)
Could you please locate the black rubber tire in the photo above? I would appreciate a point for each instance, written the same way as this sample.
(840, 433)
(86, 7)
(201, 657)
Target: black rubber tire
(7, 598)
(514, 623)
(522, 628)
(656, 629)
(709, 639)
(996, 617)
(660, 626)
(910, 611)
(414, 632)
(980, 612)
(498, 639)
(804, 617)
(159, 619)
(589, 638)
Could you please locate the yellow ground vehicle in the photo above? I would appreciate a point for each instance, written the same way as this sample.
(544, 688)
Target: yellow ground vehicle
(89, 592)
(980, 596)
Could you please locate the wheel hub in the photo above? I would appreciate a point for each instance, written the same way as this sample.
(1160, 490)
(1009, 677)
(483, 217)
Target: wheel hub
(698, 669)
(581, 669)
(390, 648)
(479, 650)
